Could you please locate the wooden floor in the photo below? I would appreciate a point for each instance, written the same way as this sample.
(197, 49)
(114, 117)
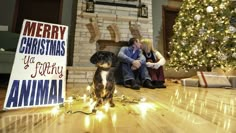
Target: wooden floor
(176, 109)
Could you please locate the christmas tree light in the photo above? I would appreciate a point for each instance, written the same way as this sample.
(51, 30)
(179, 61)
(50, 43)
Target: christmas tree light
(204, 35)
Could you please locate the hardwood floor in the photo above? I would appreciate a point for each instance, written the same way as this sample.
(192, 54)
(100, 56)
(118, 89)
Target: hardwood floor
(176, 109)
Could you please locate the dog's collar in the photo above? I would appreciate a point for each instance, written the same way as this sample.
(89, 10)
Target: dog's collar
(104, 69)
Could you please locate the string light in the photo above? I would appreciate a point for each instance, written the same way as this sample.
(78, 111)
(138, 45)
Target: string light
(87, 121)
(106, 107)
(100, 115)
(91, 103)
(85, 97)
(55, 110)
(88, 88)
(70, 100)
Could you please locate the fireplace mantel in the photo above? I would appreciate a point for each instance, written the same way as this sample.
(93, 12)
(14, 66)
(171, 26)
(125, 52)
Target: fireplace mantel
(135, 4)
(109, 45)
(114, 17)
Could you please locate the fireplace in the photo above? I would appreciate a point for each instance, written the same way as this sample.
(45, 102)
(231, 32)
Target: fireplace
(112, 27)
(108, 45)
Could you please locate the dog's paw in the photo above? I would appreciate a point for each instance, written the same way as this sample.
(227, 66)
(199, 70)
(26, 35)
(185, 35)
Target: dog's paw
(99, 103)
(112, 105)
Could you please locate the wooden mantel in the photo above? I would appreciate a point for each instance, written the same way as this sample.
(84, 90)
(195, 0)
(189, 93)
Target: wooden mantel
(114, 17)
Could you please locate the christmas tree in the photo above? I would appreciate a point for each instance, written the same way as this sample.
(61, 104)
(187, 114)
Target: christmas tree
(204, 35)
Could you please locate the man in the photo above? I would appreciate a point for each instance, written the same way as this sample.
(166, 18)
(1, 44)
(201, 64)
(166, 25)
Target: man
(133, 66)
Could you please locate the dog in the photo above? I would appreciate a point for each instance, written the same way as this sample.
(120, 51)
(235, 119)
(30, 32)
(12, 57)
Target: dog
(103, 80)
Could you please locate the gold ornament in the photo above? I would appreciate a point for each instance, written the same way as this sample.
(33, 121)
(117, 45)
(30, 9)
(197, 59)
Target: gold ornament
(209, 55)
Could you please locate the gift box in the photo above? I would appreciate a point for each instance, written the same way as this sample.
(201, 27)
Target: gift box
(192, 82)
(213, 79)
(232, 80)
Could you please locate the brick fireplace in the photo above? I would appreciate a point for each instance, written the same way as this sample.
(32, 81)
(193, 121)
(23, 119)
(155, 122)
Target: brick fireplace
(100, 36)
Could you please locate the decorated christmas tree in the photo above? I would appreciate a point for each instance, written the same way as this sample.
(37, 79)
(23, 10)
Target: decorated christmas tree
(204, 35)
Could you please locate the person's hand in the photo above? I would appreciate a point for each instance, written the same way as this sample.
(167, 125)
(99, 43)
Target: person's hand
(156, 66)
(133, 67)
(149, 64)
(136, 64)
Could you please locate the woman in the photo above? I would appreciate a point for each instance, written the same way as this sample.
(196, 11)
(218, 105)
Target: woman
(154, 62)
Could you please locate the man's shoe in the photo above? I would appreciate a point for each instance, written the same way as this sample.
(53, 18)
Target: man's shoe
(132, 84)
(127, 84)
(135, 87)
(148, 84)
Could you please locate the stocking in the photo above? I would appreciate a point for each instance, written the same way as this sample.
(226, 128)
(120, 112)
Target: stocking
(116, 32)
(134, 29)
(94, 31)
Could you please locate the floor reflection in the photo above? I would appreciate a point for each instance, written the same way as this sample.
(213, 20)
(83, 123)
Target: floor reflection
(218, 109)
(24, 122)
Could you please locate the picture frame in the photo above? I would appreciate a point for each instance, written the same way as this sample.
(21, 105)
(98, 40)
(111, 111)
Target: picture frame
(90, 6)
(143, 11)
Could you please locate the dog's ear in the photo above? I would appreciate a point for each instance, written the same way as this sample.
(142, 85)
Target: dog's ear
(102, 55)
(94, 58)
(111, 55)
(114, 58)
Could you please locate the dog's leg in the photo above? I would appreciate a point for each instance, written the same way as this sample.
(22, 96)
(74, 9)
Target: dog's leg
(99, 102)
(98, 92)
(111, 87)
(111, 102)
(111, 98)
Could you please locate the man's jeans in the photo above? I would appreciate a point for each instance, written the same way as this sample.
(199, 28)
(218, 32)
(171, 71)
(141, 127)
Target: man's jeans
(140, 74)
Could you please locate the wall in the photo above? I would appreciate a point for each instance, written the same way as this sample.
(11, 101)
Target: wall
(7, 9)
(157, 20)
(82, 70)
(103, 17)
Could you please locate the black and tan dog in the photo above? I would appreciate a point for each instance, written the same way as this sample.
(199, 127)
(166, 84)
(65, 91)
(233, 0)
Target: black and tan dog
(103, 80)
